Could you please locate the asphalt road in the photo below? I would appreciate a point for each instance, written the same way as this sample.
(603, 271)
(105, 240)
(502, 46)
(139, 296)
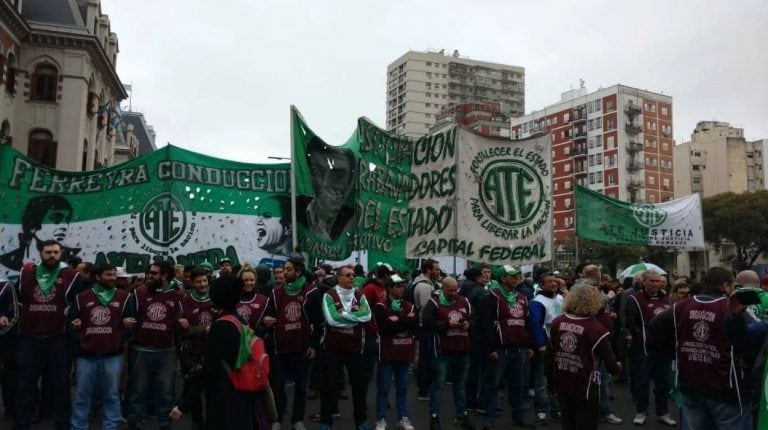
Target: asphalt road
(418, 411)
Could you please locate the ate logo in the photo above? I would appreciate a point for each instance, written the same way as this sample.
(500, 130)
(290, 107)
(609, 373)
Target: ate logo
(205, 319)
(100, 315)
(156, 312)
(649, 216)
(701, 331)
(163, 220)
(293, 311)
(43, 298)
(455, 316)
(511, 193)
(568, 342)
(244, 312)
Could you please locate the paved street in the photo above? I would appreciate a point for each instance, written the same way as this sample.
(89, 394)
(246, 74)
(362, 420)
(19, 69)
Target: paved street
(419, 416)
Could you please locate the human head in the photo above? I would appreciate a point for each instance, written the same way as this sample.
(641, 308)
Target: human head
(278, 273)
(450, 287)
(50, 253)
(345, 276)
(396, 286)
(606, 281)
(207, 266)
(294, 268)
(178, 271)
(485, 274)
(747, 278)
(680, 290)
(225, 292)
(718, 280)
(187, 275)
(510, 277)
(591, 273)
(383, 272)
(263, 275)
(74, 261)
(225, 267)
(332, 170)
(86, 269)
(105, 275)
(248, 275)
(273, 223)
(430, 268)
(652, 282)
(123, 279)
(583, 302)
(47, 217)
(548, 282)
(160, 274)
(359, 271)
(199, 279)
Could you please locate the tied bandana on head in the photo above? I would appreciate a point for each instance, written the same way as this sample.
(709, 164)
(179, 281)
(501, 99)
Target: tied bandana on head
(104, 294)
(46, 278)
(200, 297)
(293, 288)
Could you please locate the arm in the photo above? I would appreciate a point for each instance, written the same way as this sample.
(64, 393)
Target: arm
(333, 317)
(633, 321)
(429, 318)
(315, 315)
(662, 333)
(422, 292)
(603, 352)
(362, 314)
(383, 323)
(536, 313)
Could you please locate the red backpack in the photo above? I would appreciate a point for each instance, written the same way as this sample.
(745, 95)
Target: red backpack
(253, 374)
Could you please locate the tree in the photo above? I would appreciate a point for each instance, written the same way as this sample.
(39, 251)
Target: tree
(609, 255)
(741, 219)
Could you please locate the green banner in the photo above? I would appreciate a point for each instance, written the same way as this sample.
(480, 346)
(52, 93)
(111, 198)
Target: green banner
(171, 204)
(673, 223)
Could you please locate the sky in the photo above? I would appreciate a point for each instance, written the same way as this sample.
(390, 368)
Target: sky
(220, 77)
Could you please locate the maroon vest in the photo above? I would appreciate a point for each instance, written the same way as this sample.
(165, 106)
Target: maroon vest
(453, 340)
(340, 338)
(101, 331)
(400, 347)
(198, 314)
(43, 315)
(649, 308)
(703, 350)
(375, 294)
(575, 367)
(156, 317)
(253, 309)
(511, 321)
(292, 328)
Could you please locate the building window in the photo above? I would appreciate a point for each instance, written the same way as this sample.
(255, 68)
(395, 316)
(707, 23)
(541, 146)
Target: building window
(597, 105)
(651, 180)
(42, 148)
(85, 155)
(567, 185)
(44, 83)
(589, 107)
(591, 178)
(567, 167)
(599, 122)
(652, 198)
(5, 133)
(567, 203)
(10, 83)
(664, 111)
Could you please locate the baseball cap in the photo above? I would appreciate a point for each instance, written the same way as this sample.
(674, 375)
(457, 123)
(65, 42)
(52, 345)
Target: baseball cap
(508, 270)
(224, 260)
(207, 266)
(396, 279)
(122, 273)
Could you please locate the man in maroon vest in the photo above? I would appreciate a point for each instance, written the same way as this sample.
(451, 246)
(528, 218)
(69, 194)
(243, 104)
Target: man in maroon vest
(98, 316)
(375, 292)
(504, 334)
(45, 291)
(153, 310)
(297, 330)
(448, 318)
(645, 363)
(345, 310)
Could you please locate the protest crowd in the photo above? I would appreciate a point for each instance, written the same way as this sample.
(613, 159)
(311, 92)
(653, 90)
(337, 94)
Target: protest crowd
(83, 342)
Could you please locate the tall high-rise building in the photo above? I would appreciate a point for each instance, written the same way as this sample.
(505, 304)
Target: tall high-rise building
(616, 140)
(420, 84)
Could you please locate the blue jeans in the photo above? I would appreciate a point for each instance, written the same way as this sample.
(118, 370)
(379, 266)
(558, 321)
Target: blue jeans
(542, 402)
(155, 371)
(511, 361)
(101, 375)
(457, 363)
(605, 392)
(710, 414)
(400, 370)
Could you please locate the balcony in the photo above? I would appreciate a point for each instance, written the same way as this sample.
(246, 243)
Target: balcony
(632, 128)
(579, 134)
(635, 184)
(634, 166)
(631, 108)
(634, 147)
(577, 116)
(579, 151)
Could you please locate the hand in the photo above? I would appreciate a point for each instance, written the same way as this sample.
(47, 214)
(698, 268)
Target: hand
(269, 321)
(394, 318)
(529, 353)
(4, 322)
(494, 356)
(452, 324)
(175, 413)
(465, 325)
(411, 315)
(77, 323)
(613, 315)
(128, 323)
(183, 322)
(320, 273)
(311, 353)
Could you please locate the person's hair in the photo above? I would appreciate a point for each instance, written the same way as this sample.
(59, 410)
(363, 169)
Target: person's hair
(628, 282)
(592, 272)
(473, 273)
(346, 266)
(34, 212)
(298, 264)
(579, 269)
(542, 275)
(263, 275)
(177, 267)
(101, 268)
(279, 268)
(89, 268)
(51, 242)
(226, 291)
(381, 271)
(74, 261)
(247, 269)
(190, 267)
(197, 271)
(696, 288)
(715, 278)
(359, 271)
(648, 274)
(427, 265)
(583, 301)
(165, 267)
(317, 144)
(677, 285)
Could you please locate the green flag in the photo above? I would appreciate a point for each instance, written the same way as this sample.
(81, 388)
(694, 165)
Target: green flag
(673, 223)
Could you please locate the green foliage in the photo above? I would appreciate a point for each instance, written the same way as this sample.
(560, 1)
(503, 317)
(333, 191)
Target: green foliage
(741, 219)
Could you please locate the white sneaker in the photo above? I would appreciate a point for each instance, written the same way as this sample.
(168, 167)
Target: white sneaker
(612, 419)
(277, 426)
(639, 419)
(381, 425)
(405, 424)
(541, 417)
(667, 420)
(299, 425)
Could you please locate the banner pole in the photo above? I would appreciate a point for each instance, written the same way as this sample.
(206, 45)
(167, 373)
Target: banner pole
(456, 200)
(294, 220)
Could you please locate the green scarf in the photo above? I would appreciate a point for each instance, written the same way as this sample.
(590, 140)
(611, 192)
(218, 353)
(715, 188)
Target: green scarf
(104, 294)
(46, 278)
(293, 288)
(443, 301)
(395, 304)
(510, 296)
(200, 297)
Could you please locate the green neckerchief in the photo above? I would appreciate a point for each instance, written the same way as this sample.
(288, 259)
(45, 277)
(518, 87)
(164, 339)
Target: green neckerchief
(46, 278)
(395, 304)
(443, 301)
(200, 297)
(510, 296)
(358, 282)
(104, 294)
(293, 288)
(168, 287)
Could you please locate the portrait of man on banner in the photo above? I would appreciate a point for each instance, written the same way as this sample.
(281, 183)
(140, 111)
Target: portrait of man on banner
(273, 226)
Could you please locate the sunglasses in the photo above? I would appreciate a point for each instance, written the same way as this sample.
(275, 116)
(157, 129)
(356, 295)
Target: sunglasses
(154, 273)
(347, 275)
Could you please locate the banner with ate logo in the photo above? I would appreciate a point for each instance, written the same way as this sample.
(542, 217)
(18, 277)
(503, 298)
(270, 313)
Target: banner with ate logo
(673, 223)
(171, 204)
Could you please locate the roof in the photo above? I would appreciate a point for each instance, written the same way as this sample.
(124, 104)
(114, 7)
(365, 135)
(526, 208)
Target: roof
(63, 12)
(141, 130)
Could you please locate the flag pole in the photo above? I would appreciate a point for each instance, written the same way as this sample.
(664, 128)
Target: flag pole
(294, 221)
